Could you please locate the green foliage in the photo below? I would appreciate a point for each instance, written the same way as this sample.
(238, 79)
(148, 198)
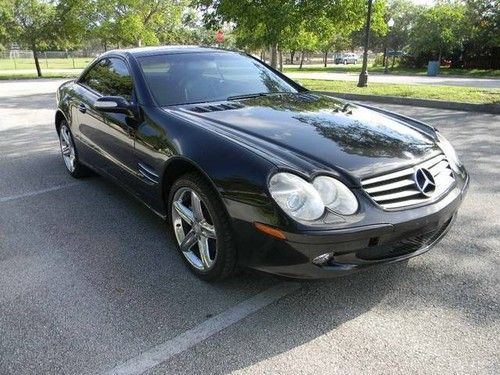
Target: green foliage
(483, 26)
(30, 23)
(450, 28)
(405, 14)
(439, 30)
(135, 22)
(265, 21)
(292, 24)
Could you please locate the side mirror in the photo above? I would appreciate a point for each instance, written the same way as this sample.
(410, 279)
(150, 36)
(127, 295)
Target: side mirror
(114, 104)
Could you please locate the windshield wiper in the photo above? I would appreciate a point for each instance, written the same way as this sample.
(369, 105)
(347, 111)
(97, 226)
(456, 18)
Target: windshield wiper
(246, 96)
(257, 95)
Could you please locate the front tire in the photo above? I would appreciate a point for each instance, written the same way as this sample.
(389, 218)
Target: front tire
(201, 228)
(69, 152)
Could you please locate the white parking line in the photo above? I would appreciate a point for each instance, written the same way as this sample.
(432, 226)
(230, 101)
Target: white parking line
(163, 352)
(32, 193)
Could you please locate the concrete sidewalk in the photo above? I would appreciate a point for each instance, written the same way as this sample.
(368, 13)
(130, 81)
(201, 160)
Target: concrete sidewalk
(487, 83)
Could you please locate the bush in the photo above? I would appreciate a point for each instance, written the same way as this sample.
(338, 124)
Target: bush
(415, 61)
(379, 60)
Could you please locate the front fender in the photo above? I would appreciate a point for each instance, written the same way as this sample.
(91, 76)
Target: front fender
(238, 173)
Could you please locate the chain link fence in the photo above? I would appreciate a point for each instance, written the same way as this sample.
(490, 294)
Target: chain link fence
(53, 60)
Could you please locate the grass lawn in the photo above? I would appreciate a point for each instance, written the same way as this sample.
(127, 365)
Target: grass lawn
(446, 93)
(46, 74)
(476, 73)
(22, 64)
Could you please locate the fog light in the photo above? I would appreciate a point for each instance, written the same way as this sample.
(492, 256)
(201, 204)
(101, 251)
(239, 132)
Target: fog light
(322, 259)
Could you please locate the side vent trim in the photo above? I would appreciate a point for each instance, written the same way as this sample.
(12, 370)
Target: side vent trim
(215, 107)
(147, 173)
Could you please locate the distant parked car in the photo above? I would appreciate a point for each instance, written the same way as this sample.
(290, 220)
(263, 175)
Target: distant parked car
(347, 58)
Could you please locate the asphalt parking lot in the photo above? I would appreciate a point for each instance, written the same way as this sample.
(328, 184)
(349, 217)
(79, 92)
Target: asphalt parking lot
(91, 283)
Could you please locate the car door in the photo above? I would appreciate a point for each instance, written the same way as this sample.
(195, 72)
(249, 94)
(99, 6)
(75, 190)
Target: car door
(110, 135)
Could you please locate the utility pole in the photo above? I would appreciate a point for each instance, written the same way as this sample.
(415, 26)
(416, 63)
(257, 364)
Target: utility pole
(363, 76)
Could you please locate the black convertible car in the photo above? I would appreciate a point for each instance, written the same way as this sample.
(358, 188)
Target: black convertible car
(249, 168)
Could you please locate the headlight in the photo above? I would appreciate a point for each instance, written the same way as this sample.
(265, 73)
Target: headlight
(335, 195)
(302, 200)
(448, 150)
(296, 196)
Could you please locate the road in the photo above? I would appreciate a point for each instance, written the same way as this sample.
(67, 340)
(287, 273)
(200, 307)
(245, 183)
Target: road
(486, 83)
(91, 283)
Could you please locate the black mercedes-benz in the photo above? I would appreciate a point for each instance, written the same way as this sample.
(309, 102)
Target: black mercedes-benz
(251, 169)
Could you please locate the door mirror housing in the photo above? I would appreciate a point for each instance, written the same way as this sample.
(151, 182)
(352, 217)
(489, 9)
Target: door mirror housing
(114, 104)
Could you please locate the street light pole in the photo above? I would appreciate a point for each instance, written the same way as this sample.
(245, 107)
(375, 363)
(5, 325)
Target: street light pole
(363, 76)
(390, 24)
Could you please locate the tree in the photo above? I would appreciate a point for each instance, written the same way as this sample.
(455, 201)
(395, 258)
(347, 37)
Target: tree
(300, 39)
(483, 32)
(278, 24)
(439, 30)
(6, 8)
(29, 23)
(135, 22)
(257, 22)
(405, 14)
(73, 23)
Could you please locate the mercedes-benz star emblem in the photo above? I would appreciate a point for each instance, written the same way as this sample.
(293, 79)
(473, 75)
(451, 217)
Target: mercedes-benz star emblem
(425, 181)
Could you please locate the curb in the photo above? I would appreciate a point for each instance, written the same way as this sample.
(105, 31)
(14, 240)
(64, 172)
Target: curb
(486, 108)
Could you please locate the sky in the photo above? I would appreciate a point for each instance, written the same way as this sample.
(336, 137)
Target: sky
(424, 2)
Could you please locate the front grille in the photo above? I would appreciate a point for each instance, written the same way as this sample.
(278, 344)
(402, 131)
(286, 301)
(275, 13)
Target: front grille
(403, 246)
(398, 189)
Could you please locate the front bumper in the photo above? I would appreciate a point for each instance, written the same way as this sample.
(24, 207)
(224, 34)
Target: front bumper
(325, 254)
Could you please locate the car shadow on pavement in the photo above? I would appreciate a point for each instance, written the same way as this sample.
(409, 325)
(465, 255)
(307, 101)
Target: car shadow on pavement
(447, 280)
(27, 141)
(29, 102)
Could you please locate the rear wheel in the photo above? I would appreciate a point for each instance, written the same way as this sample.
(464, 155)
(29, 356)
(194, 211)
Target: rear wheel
(69, 153)
(201, 228)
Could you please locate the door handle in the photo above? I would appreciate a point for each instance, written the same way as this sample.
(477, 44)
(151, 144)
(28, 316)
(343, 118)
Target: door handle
(82, 108)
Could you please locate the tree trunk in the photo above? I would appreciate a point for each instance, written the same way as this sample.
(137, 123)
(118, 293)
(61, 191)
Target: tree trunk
(301, 60)
(105, 43)
(280, 54)
(325, 59)
(274, 56)
(37, 63)
(139, 43)
(292, 56)
(263, 55)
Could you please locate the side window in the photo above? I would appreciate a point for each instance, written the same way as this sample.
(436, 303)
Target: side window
(110, 77)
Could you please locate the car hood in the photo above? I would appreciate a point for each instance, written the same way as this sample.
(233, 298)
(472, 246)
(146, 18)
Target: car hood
(315, 132)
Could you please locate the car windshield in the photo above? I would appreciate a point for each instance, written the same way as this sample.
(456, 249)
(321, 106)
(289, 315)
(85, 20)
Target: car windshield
(187, 78)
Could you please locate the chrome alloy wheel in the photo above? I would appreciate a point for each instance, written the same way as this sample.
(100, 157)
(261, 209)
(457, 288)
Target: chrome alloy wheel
(67, 148)
(194, 229)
